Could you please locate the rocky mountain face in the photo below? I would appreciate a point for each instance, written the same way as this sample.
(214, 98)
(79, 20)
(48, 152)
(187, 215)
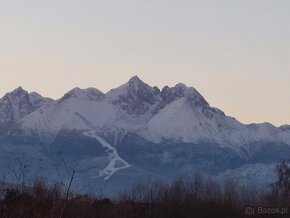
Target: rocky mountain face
(19, 103)
(134, 97)
(135, 133)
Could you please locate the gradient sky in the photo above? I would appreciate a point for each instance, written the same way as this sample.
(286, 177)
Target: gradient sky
(235, 52)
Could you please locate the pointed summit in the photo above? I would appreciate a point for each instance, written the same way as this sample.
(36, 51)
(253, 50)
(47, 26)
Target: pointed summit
(135, 79)
(15, 105)
(135, 96)
(19, 103)
(136, 83)
(18, 91)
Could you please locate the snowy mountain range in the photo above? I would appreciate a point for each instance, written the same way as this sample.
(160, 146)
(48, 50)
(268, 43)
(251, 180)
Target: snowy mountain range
(135, 133)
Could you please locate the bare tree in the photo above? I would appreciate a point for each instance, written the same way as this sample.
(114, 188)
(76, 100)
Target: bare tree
(282, 186)
(3, 173)
(71, 173)
(19, 170)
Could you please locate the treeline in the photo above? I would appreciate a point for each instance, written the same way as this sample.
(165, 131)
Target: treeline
(199, 197)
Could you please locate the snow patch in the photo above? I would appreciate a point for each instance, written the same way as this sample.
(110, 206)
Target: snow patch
(116, 162)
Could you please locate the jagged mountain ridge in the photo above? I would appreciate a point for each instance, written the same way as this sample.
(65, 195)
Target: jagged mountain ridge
(176, 113)
(136, 128)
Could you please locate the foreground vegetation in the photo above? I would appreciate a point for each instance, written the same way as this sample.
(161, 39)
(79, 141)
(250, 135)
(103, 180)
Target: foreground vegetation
(197, 198)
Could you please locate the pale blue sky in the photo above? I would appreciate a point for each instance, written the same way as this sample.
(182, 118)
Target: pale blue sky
(235, 52)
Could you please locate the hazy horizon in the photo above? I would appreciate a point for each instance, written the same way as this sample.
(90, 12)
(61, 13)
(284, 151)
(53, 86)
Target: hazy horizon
(235, 53)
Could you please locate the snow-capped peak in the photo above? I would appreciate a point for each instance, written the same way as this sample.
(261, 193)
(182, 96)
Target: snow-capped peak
(18, 103)
(137, 83)
(135, 96)
(16, 92)
(179, 91)
(88, 94)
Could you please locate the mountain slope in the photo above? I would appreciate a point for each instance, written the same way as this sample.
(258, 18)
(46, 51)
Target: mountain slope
(78, 109)
(136, 131)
